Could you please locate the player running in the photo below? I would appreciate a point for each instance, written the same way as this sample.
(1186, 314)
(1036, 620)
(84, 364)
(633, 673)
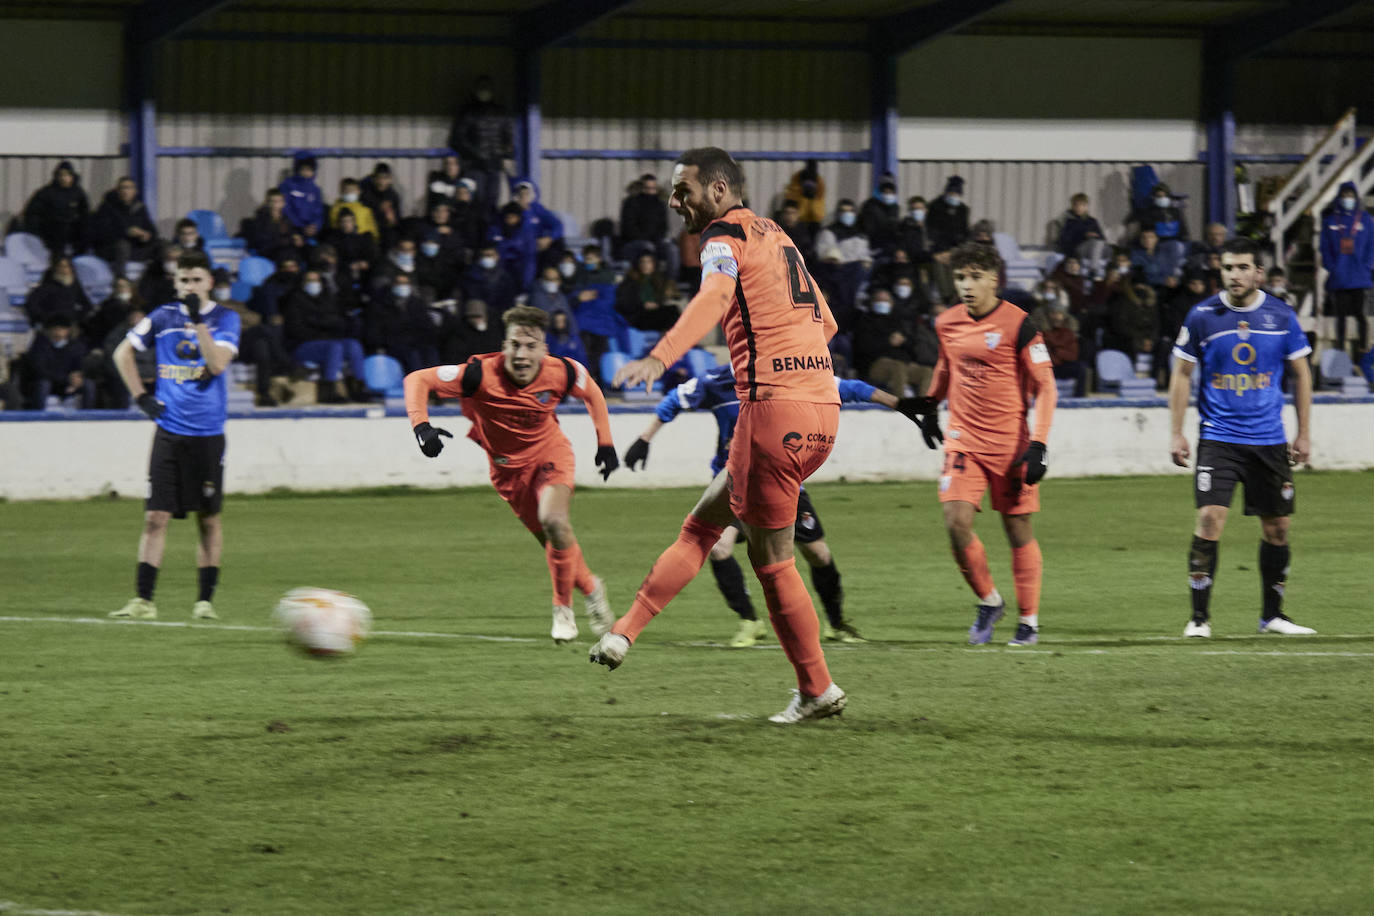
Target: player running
(777, 325)
(1242, 338)
(714, 390)
(992, 363)
(510, 398)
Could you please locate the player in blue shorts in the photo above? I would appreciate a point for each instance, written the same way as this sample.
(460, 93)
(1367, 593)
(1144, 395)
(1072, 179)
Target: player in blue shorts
(1242, 340)
(714, 390)
(194, 339)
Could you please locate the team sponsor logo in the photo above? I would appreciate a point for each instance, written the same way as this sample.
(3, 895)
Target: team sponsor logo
(187, 349)
(972, 371)
(1286, 492)
(992, 339)
(175, 372)
(1039, 353)
(1243, 330)
(1241, 382)
(801, 363)
(207, 489)
(792, 442)
(1204, 482)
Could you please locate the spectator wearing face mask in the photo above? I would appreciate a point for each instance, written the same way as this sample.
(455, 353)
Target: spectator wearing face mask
(317, 333)
(644, 221)
(909, 300)
(351, 201)
(357, 251)
(109, 313)
(400, 324)
(474, 334)
(122, 229)
(594, 299)
(483, 134)
(515, 244)
(400, 260)
(807, 191)
(260, 345)
(1163, 215)
(646, 298)
(440, 227)
(187, 235)
(58, 212)
(58, 293)
(304, 208)
(884, 348)
(947, 227)
(52, 367)
(269, 296)
(568, 266)
(843, 261)
(1276, 285)
(548, 291)
(486, 280)
(912, 234)
(437, 270)
(442, 184)
(880, 219)
(1347, 253)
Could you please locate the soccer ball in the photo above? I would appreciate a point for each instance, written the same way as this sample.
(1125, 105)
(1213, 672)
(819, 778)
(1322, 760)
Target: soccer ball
(322, 622)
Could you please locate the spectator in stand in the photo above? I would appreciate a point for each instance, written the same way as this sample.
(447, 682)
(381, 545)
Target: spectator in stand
(563, 338)
(474, 335)
(595, 313)
(400, 324)
(317, 332)
(304, 199)
(110, 389)
(58, 294)
(912, 234)
(1060, 333)
(1133, 321)
(468, 223)
(515, 245)
(260, 344)
(1277, 286)
(399, 261)
(350, 201)
(379, 188)
(187, 235)
(442, 184)
(1213, 237)
(541, 223)
(1156, 264)
(483, 135)
(121, 229)
(645, 298)
(269, 298)
(440, 227)
(1078, 227)
(807, 191)
(357, 251)
(947, 227)
(568, 265)
(1175, 305)
(58, 212)
(269, 234)
(844, 260)
(884, 350)
(52, 367)
(909, 300)
(437, 270)
(110, 313)
(325, 259)
(1347, 253)
(789, 218)
(1166, 219)
(548, 292)
(880, 219)
(689, 260)
(644, 221)
(1068, 273)
(486, 280)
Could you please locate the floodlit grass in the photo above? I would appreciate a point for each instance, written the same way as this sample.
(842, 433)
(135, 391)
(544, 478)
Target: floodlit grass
(1112, 769)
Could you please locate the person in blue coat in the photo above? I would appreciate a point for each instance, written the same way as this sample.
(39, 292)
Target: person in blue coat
(515, 245)
(1347, 250)
(714, 390)
(304, 200)
(542, 224)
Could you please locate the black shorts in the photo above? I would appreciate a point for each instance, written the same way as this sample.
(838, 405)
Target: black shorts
(1264, 470)
(185, 474)
(807, 528)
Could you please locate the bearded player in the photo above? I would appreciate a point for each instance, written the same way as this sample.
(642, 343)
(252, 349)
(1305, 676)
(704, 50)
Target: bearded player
(510, 398)
(992, 363)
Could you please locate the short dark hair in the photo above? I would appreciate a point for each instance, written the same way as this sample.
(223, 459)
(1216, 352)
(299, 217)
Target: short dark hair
(184, 222)
(189, 260)
(973, 254)
(714, 164)
(346, 182)
(1277, 272)
(1080, 196)
(525, 316)
(649, 176)
(915, 199)
(1241, 246)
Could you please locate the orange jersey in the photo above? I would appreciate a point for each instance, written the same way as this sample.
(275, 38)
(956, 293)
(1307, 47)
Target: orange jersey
(516, 425)
(777, 323)
(990, 368)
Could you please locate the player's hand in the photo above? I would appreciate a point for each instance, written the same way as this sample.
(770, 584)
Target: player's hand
(637, 452)
(641, 371)
(192, 302)
(1178, 450)
(150, 405)
(1034, 460)
(606, 460)
(1300, 451)
(930, 430)
(427, 437)
(915, 408)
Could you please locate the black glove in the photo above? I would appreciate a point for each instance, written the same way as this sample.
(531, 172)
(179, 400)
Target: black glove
(911, 408)
(1034, 460)
(639, 452)
(930, 430)
(427, 437)
(192, 302)
(150, 405)
(606, 460)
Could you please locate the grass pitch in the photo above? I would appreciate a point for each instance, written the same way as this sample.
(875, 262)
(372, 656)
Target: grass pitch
(1114, 768)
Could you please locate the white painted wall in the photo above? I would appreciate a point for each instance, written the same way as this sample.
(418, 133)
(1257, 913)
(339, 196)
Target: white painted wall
(83, 459)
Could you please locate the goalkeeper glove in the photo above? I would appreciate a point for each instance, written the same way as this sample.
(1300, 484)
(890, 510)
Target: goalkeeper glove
(427, 437)
(911, 408)
(150, 405)
(638, 452)
(606, 460)
(192, 302)
(930, 430)
(1034, 460)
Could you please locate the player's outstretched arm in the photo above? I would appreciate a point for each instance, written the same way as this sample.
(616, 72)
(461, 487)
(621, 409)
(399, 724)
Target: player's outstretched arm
(1180, 386)
(701, 315)
(638, 452)
(590, 393)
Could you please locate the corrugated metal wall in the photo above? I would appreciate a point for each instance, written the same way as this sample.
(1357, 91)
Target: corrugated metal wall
(20, 176)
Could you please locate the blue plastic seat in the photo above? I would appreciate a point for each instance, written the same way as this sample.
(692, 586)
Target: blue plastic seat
(209, 224)
(610, 364)
(240, 291)
(29, 250)
(384, 374)
(636, 343)
(14, 280)
(700, 361)
(94, 275)
(255, 269)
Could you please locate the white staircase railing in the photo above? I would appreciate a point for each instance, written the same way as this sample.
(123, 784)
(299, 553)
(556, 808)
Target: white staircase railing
(1301, 189)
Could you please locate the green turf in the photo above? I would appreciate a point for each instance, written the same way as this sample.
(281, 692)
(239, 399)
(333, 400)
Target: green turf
(165, 770)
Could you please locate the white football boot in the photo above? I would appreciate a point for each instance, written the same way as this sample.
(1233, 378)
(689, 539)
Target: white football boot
(802, 707)
(599, 614)
(1202, 630)
(609, 650)
(564, 624)
(1285, 627)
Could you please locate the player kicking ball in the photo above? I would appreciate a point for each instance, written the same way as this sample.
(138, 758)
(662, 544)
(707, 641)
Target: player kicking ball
(510, 398)
(992, 361)
(1243, 339)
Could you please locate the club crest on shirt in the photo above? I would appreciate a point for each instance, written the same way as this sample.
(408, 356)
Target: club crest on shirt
(992, 338)
(1243, 330)
(543, 396)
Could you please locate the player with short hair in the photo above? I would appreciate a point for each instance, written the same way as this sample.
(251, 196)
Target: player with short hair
(510, 397)
(992, 363)
(777, 324)
(194, 338)
(1243, 339)
(714, 390)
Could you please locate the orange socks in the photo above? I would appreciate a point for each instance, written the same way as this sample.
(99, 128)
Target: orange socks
(676, 566)
(1026, 568)
(973, 563)
(562, 570)
(794, 620)
(582, 576)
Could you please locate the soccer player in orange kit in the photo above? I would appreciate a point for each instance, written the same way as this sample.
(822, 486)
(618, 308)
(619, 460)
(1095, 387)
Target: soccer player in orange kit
(992, 362)
(510, 398)
(777, 325)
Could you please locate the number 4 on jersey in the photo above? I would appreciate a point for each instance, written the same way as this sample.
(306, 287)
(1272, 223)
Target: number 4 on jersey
(803, 287)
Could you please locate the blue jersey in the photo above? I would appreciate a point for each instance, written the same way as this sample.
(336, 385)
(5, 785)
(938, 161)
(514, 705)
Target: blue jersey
(196, 400)
(714, 390)
(1241, 354)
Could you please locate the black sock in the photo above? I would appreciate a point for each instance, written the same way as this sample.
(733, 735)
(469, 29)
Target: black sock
(730, 580)
(827, 581)
(209, 576)
(1202, 566)
(146, 580)
(1273, 564)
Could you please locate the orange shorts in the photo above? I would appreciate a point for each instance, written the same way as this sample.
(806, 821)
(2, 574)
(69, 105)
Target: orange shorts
(965, 477)
(776, 446)
(521, 485)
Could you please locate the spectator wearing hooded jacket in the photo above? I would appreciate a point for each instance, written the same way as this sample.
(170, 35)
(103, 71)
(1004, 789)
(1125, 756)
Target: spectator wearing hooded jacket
(1077, 226)
(351, 200)
(483, 135)
(487, 281)
(399, 323)
(52, 367)
(515, 245)
(466, 220)
(563, 338)
(121, 229)
(880, 219)
(594, 297)
(268, 233)
(58, 294)
(542, 224)
(378, 188)
(548, 292)
(157, 286)
(947, 227)
(437, 270)
(304, 200)
(844, 260)
(357, 252)
(317, 332)
(807, 190)
(58, 212)
(912, 234)
(1347, 253)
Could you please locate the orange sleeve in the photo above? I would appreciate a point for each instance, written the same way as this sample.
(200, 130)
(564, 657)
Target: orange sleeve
(702, 313)
(1037, 367)
(447, 381)
(939, 380)
(586, 389)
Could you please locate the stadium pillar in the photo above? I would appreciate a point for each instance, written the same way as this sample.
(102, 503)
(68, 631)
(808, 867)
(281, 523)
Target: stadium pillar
(139, 64)
(882, 75)
(1218, 103)
(528, 146)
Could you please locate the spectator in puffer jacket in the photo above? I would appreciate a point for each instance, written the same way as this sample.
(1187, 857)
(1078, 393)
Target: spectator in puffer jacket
(1347, 252)
(304, 200)
(483, 135)
(58, 212)
(515, 245)
(121, 229)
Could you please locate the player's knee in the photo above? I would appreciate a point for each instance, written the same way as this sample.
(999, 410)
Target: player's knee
(815, 553)
(156, 522)
(722, 551)
(558, 530)
(1275, 531)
